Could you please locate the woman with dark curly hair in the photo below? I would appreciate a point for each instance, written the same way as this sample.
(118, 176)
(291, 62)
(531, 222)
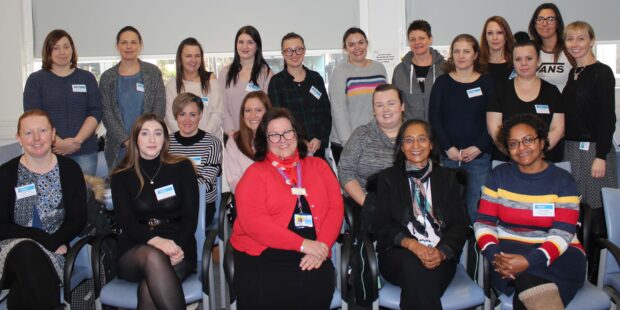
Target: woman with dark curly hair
(527, 221)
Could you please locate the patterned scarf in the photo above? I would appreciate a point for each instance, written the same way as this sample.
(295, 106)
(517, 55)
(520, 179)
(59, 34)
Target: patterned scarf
(422, 208)
(287, 165)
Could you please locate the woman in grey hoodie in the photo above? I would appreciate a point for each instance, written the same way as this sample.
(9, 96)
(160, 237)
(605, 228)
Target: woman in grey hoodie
(417, 72)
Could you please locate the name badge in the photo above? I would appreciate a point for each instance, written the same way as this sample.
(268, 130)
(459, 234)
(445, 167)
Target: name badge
(544, 209)
(303, 220)
(251, 87)
(513, 75)
(474, 92)
(140, 87)
(25, 191)
(196, 160)
(542, 109)
(584, 146)
(165, 192)
(205, 101)
(298, 191)
(79, 88)
(315, 92)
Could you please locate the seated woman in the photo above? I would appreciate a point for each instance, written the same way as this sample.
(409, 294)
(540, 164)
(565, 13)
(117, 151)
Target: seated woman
(239, 151)
(201, 147)
(369, 150)
(419, 247)
(155, 197)
(527, 221)
(42, 208)
(289, 214)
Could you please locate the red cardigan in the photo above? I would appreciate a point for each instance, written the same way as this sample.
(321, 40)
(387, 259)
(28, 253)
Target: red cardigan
(265, 207)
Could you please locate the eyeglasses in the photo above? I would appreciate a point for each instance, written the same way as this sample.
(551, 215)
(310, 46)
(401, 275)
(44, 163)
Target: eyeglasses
(527, 141)
(290, 51)
(276, 137)
(420, 139)
(550, 20)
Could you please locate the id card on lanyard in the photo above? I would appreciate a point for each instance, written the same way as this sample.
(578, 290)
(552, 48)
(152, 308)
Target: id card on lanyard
(302, 219)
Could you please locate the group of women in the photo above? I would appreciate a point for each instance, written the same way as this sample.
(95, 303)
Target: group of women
(401, 150)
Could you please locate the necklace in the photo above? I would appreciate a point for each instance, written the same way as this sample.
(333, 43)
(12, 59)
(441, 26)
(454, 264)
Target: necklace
(151, 179)
(578, 71)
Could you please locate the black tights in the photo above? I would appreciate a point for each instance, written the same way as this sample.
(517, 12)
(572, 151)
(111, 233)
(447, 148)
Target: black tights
(160, 286)
(32, 280)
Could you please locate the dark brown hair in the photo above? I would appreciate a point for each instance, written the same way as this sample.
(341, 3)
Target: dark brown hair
(485, 52)
(449, 66)
(48, 46)
(204, 75)
(260, 141)
(244, 138)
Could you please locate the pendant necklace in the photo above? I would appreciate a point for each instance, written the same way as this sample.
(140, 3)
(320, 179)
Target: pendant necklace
(151, 179)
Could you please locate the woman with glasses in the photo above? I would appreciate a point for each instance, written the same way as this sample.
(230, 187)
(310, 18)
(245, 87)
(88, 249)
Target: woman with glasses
(302, 91)
(547, 29)
(370, 150)
(419, 247)
(192, 77)
(350, 89)
(527, 221)
(589, 100)
(248, 72)
(289, 214)
(527, 93)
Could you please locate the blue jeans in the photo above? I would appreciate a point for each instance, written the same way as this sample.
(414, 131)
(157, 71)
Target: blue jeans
(477, 171)
(88, 162)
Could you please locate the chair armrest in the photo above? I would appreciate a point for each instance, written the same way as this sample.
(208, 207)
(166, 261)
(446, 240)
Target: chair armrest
(69, 264)
(348, 216)
(229, 269)
(373, 264)
(486, 276)
(96, 259)
(345, 261)
(586, 225)
(611, 247)
(207, 252)
(226, 197)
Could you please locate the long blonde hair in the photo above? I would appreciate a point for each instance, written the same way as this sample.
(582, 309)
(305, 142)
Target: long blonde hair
(132, 157)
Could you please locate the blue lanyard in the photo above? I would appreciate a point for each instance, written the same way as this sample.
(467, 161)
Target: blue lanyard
(290, 183)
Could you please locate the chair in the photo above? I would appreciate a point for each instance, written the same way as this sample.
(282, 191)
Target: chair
(340, 261)
(609, 272)
(461, 293)
(197, 287)
(225, 227)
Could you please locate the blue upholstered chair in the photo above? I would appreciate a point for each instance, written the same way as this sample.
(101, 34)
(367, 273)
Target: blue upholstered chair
(197, 287)
(609, 272)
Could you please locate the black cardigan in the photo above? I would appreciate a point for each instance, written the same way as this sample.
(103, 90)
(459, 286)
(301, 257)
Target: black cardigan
(394, 207)
(74, 203)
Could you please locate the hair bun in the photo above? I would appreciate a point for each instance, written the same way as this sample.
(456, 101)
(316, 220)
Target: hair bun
(521, 37)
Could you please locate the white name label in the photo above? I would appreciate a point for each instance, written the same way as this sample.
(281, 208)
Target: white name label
(196, 160)
(25, 191)
(251, 87)
(315, 92)
(584, 146)
(542, 109)
(79, 88)
(474, 92)
(543, 209)
(165, 192)
(140, 87)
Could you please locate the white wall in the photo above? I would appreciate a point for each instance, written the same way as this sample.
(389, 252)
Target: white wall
(13, 64)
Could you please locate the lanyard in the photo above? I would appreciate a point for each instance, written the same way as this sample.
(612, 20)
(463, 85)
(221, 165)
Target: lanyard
(290, 183)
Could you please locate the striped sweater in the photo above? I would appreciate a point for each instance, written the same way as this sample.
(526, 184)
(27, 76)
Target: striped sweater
(506, 217)
(205, 151)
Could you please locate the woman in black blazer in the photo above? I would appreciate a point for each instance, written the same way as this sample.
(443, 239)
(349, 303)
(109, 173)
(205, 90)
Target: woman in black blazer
(422, 222)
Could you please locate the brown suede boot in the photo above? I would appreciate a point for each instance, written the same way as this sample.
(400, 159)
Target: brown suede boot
(542, 297)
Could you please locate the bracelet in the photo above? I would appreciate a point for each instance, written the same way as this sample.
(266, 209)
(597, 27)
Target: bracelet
(301, 249)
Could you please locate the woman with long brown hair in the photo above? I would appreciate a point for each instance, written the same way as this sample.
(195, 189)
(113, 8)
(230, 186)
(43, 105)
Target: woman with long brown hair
(496, 43)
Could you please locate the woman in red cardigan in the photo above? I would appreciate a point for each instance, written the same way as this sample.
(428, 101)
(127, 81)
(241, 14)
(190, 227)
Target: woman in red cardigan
(289, 215)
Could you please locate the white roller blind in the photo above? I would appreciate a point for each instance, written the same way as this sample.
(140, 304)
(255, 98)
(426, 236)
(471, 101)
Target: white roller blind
(93, 24)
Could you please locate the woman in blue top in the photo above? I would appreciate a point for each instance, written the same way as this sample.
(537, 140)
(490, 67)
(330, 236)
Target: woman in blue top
(129, 89)
(70, 96)
(457, 115)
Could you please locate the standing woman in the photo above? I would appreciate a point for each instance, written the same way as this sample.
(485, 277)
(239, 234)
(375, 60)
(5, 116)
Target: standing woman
(192, 77)
(527, 93)
(239, 151)
(547, 29)
(350, 89)
(201, 147)
(417, 72)
(70, 96)
(458, 116)
(42, 208)
(129, 89)
(156, 203)
(289, 214)
(496, 43)
(247, 73)
(589, 100)
(302, 91)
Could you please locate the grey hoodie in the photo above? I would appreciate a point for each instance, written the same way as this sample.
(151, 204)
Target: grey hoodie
(416, 101)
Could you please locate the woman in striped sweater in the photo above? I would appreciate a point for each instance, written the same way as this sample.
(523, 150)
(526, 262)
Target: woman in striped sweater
(201, 147)
(527, 220)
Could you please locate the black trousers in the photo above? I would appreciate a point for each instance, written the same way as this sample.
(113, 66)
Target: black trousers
(31, 278)
(421, 288)
(275, 281)
(336, 151)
